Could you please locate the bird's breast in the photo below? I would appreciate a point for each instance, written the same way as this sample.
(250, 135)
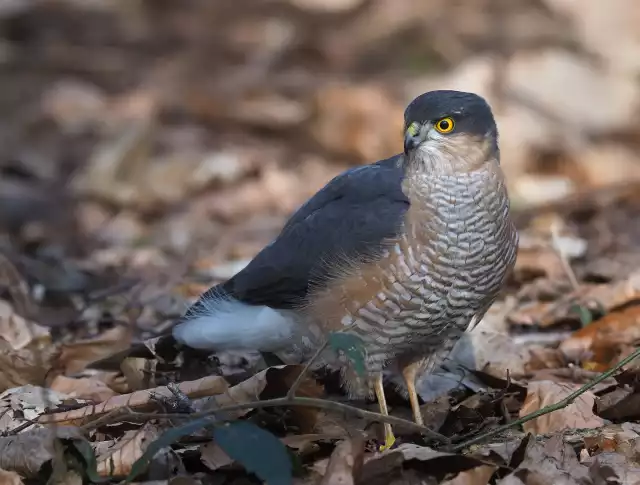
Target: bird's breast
(447, 264)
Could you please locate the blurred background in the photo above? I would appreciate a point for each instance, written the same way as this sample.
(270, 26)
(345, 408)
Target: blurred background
(151, 140)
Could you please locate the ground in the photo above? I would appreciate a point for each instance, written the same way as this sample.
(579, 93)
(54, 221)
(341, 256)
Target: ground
(150, 148)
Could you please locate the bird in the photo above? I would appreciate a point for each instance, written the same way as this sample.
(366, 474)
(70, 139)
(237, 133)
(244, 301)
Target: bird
(406, 254)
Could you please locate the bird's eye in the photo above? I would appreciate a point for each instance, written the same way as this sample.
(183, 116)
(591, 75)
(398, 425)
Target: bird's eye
(445, 125)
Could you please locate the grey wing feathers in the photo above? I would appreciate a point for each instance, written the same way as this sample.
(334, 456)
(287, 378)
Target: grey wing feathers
(350, 217)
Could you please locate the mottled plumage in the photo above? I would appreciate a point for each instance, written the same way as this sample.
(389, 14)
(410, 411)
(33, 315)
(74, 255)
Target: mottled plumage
(406, 253)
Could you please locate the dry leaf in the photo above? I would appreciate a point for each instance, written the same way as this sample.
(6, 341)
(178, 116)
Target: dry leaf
(476, 476)
(25, 404)
(345, 464)
(29, 365)
(607, 296)
(538, 261)
(544, 358)
(70, 477)
(89, 388)
(74, 357)
(207, 386)
(613, 468)
(492, 352)
(279, 379)
(552, 462)
(579, 414)
(9, 478)
(117, 460)
(358, 121)
(439, 463)
(573, 375)
(600, 341)
(214, 457)
(621, 438)
(17, 331)
(28, 451)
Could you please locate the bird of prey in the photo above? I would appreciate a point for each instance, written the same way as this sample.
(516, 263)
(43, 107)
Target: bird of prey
(405, 253)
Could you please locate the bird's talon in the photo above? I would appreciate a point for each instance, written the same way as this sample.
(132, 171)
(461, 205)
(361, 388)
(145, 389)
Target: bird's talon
(389, 441)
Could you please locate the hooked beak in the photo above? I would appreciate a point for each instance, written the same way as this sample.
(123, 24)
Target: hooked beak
(411, 142)
(416, 133)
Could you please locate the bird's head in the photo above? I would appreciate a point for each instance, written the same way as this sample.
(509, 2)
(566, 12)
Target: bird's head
(449, 130)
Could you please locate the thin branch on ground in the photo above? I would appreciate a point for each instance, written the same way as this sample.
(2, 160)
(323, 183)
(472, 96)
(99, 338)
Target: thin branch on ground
(310, 402)
(564, 260)
(548, 409)
(296, 384)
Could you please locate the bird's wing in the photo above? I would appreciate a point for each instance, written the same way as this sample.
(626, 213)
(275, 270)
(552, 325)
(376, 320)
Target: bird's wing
(349, 218)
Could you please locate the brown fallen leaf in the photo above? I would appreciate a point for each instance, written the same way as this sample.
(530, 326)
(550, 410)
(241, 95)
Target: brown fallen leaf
(591, 296)
(600, 342)
(9, 478)
(117, 460)
(552, 462)
(244, 392)
(573, 375)
(214, 457)
(476, 476)
(611, 467)
(538, 261)
(494, 353)
(75, 357)
(620, 438)
(345, 464)
(26, 403)
(18, 331)
(29, 365)
(439, 463)
(68, 477)
(27, 452)
(91, 389)
(348, 120)
(544, 358)
(270, 383)
(579, 414)
(138, 400)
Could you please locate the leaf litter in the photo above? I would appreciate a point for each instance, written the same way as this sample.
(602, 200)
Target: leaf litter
(129, 185)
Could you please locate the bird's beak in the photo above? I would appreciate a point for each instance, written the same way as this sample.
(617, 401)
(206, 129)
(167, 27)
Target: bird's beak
(411, 141)
(416, 133)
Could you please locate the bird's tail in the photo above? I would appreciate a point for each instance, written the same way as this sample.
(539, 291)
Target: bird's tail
(218, 322)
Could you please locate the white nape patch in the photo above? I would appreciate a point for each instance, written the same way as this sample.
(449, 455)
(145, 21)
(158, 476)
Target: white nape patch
(228, 324)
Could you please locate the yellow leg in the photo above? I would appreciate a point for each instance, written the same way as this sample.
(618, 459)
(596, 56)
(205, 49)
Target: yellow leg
(410, 373)
(389, 438)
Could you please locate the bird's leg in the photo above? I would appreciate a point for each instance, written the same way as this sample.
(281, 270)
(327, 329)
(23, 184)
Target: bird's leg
(389, 438)
(409, 373)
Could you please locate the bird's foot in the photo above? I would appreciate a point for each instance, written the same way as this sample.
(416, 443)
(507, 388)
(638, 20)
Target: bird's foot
(179, 403)
(389, 441)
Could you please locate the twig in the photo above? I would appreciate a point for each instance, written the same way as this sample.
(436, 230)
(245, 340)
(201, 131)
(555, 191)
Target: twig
(310, 402)
(555, 242)
(552, 407)
(296, 384)
(105, 419)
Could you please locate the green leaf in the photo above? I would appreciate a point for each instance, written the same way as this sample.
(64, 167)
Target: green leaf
(257, 450)
(90, 462)
(584, 314)
(353, 347)
(166, 439)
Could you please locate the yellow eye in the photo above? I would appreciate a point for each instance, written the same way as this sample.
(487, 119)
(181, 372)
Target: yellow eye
(445, 125)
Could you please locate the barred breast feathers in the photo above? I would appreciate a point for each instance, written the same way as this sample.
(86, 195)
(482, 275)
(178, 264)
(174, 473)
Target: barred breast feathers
(443, 249)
